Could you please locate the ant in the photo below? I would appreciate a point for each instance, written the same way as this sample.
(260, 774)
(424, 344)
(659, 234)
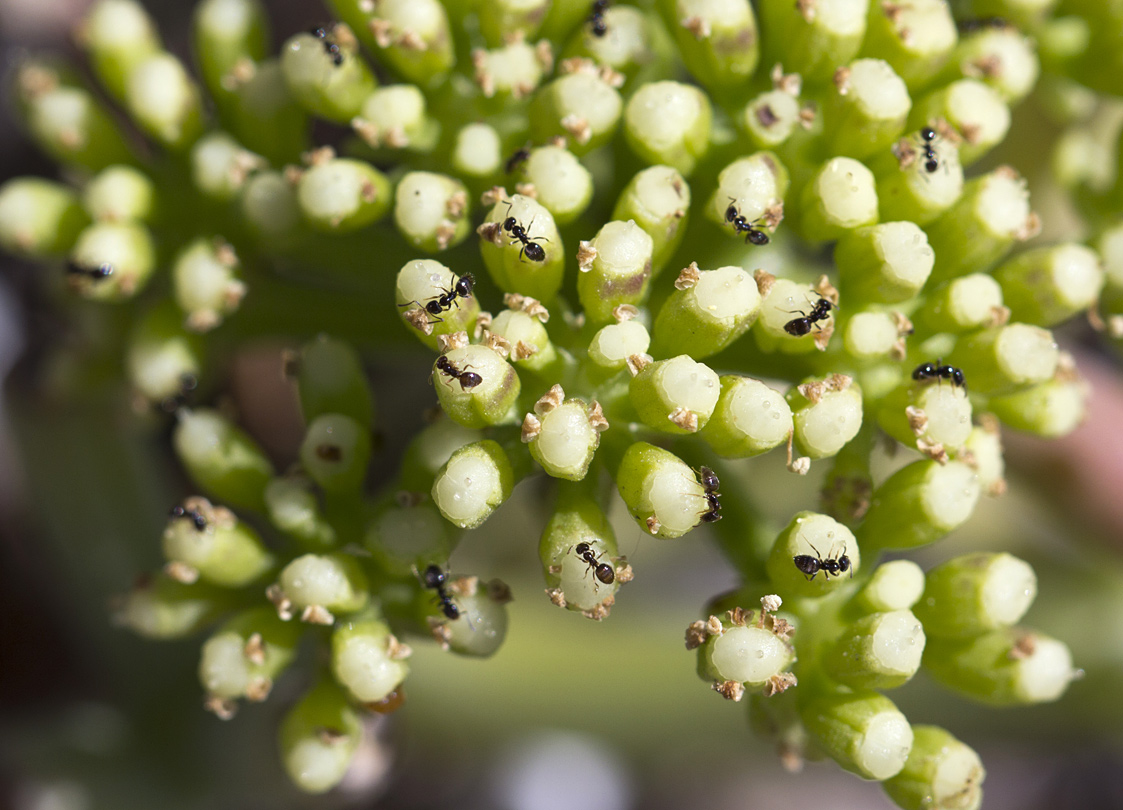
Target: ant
(832, 566)
(516, 159)
(931, 159)
(710, 483)
(603, 571)
(467, 379)
(802, 326)
(102, 271)
(596, 18)
(331, 48)
(530, 247)
(437, 580)
(740, 225)
(447, 298)
(194, 515)
(971, 26)
(936, 371)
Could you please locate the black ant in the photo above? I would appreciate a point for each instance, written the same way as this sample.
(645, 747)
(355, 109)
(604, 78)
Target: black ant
(447, 298)
(517, 158)
(931, 159)
(437, 580)
(971, 26)
(102, 271)
(529, 246)
(467, 379)
(596, 18)
(710, 483)
(802, 326)
(331, 48)
(603, 571)
(832, 566)
(741, 225)
(194, 515)
(936, 371)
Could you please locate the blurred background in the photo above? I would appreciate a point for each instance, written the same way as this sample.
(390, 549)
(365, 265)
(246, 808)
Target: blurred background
(569, 713)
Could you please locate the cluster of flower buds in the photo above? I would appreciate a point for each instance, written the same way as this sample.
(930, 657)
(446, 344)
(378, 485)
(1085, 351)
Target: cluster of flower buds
(671, 236)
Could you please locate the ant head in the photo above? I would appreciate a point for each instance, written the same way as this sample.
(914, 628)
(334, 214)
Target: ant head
(433, 576)
(464, 285)
(928, 134)
(708, 478)
(731, 212)
(843, 564)
(581, 548)
(443, 363)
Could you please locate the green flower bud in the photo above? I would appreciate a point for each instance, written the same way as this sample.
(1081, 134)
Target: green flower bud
(515, 69)
(985, 448)
(210, 543)
(39, 218)
(676, 395)
(563, 434)
(815, 536)
(561, 184)
(975, 593)
(661, 491)
(430, 211)
(863, 732)
(244, 658)
(750, 649)
(421, 283)
(750, 418)
(867, 110)
(772, 118)
(718, 41)
(477, 151)
(163, 608)
(294, 509)
(488, 397)
(941, 774)
(430, 450)
(69, 123)
(613, 345)
(112, 261)
(265, 117)
(1005, 358)
(412, 36)
(707, 312)
(481, 626)
(395, 117)
(342, 195)
(270, 208)
(119, 35)
(874, 337)
(206, 284)
(615, 269)
(573, 582)
(1051, 409)
(1006, 667)
(784, 300)
(916, 39)
(367, 660)
(335, 92)
(1001, 57)
(318, 584)
(885, 263)
(164, 100)
(906, 190)
(976, 111)
(530, 343)
(330, 379)
(163, 360)
(220, 166)
(633, 39)
(826, 414)
(336, 453)
(1048, 285)
(935, 418)
(220, 458)
(319, 738)
(658, 200)
(511, 260)
(117, 194)
(405, 536)
(501, 20)
(813, 40)
(669, 123)
(841, 196)
(962, 305)
(919, 504)
(878, 651)
(475, 481)
(228, 35)
(581, 107)
(895, 585)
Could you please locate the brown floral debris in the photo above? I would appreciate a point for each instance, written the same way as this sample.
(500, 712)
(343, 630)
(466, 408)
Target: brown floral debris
(531, 306)
(222, 708)
(498, 344)
(685, 419)
(491, 232)
(739, 617)
(258, 688)
(696, 26)
(623, 570)
(498, 591)
(730, 690)
(464, 586)
(586, 255)
(438, 629)
(918, 420)
(181, 572)
(1030, 228)
(550, 400)
(317, 614)
(523, 350)
(770, 603)
(556, 596)
(456, 340)
(766, 116)
(781, 628)
(254, 649)
(779, 683)
(330, 736)
(841, 80)
(807, 115)
(800, 465)
(318, 157)
(624, 312)
(280, 601)
(808, 9)
(1024, 647)
(597, 419)
(689, 277)
(790, 83)
(764, 281)
(773, 215)
(418, 319)
(494, 196)
(578, 127)
(531, 428)
(601, 611)
(934, 450)
(652, 524)
(527, 190)
(638, 362)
